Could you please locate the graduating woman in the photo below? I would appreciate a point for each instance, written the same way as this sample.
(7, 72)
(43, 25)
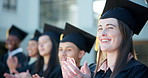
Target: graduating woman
(47, 65)
(115, 30)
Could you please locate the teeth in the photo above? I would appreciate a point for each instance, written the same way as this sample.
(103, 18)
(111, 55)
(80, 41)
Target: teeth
(104, 40)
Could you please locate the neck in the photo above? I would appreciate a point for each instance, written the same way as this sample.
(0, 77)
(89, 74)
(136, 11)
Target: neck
(13, 49)
(35, 56)
(111, 58)
(78, 63)
(46, 59)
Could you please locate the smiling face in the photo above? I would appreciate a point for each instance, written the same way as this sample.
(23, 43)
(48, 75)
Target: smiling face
(12, 42)
(32, 48)
(44, 45)
(68, 49)
(109, 34)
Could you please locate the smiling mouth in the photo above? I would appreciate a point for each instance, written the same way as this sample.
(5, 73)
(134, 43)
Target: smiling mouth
(105, 40)
(63, 58)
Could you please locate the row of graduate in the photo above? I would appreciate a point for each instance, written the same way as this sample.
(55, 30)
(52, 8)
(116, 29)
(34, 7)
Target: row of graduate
(43, 50)
(56, 53)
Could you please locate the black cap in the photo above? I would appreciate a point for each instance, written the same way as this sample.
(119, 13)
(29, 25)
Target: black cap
(82, 39)
(17, 32)
(52, 31)
(132, 14)
(37, 34)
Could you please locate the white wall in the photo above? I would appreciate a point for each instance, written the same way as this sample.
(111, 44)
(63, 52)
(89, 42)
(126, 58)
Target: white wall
(86, 22)
(25, 17)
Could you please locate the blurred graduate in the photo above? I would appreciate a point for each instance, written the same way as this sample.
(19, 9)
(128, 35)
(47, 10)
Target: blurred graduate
(74, 44)
(14, 38)
(48, 65)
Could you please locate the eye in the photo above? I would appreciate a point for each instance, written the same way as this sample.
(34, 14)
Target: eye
(60, 49)
(69, 49)
(110, 28)
(99, 29)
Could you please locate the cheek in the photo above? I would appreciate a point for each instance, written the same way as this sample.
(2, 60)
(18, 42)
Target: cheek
(48, 47)
(35, 49)
(117, 39)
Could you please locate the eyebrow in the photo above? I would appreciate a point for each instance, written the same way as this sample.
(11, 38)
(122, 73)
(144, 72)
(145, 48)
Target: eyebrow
(111, 24)
(67, 47)
(99, 25)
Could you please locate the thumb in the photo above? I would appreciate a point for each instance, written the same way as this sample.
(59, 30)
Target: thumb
(86, 68)
(27, 71)
(15, 59)
(15, 71)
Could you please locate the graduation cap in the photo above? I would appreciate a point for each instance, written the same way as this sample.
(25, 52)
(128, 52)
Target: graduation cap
(37, 34)
(52, 31)
(17, 32)
(133, 14)
(80, 38)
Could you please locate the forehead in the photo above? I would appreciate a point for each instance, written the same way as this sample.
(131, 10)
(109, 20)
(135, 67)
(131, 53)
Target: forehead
(43, 38)
(67, 44)
(108, 21)
(12, 37)
(32, 41)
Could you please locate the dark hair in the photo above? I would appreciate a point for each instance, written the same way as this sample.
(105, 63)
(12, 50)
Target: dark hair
(125, 48)
(52, 62)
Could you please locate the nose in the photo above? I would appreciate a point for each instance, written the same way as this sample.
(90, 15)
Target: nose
(40, 45)
(104, 33)
(64, 53)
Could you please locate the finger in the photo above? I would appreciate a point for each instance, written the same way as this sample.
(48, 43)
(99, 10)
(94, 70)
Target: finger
(72, 59)
(6, 74)
(15, 59)
(86, 68)
(67, 69)
(64, 72)
(15, 71)
(73, 66)
(27, 71)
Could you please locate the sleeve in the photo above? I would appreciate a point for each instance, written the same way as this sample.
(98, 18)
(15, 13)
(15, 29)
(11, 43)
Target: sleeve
(140, 71)
(22, 59)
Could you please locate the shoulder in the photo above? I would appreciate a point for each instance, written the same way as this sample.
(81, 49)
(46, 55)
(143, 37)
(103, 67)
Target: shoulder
(134, 69)
(92, 68)
(56, 72)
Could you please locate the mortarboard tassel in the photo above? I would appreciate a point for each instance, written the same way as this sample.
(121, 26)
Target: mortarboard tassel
(61, 37)
(96, 44)
(7, 34)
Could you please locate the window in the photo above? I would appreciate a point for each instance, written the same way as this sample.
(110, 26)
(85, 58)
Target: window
(57, 12)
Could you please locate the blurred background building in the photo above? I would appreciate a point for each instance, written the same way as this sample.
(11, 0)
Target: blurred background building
(32, 14)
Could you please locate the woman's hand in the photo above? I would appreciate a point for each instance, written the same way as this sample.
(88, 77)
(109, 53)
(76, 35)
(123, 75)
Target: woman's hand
(36, 76)
(6, 75)
(70, 70)
(12, 63)
(23, 75)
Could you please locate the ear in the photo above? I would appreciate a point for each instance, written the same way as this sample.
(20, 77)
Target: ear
(81, 53)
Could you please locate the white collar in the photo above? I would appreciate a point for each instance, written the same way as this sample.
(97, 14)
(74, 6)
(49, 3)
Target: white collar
(12, 53)
(32, 60)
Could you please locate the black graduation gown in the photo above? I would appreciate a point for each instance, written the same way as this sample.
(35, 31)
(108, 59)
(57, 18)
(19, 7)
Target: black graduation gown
(54, 73)
(2, 69)
(27, 67)
(22, 60)
(133, 69)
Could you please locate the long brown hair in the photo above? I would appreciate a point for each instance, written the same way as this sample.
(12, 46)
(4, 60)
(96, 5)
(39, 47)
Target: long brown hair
(52, 62)
(126, 47)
